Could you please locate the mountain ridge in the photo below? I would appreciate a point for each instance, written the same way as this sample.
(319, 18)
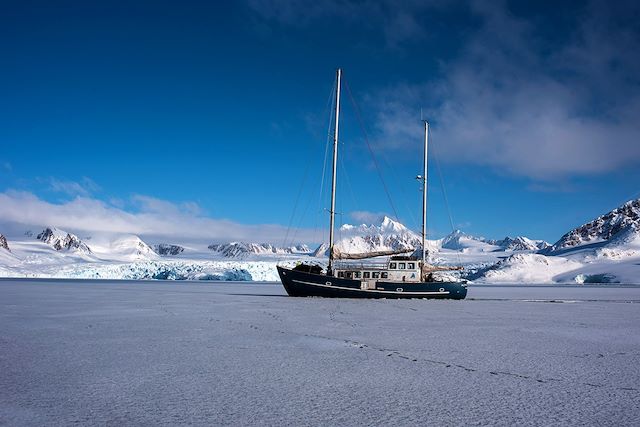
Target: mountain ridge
(244, 249)
(603, 229)
(61, 240)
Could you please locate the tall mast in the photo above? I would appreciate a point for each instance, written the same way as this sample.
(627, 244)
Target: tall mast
(424, 194)
(335, 168)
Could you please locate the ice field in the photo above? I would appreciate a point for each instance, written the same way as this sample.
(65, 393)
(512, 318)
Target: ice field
(220, 353)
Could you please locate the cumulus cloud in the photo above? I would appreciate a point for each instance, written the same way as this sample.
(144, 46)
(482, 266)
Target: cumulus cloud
(155, 218)
(516, 102)
(517, 94)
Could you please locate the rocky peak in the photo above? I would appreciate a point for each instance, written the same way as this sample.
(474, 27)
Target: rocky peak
(603, 228)
(3, 243)
(521, 243)
(166, 249)
(390, 225)
(61, 240)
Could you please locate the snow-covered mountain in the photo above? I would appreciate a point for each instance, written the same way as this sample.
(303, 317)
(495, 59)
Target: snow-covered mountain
(392, 235)
(3, 243)
(602, 229)
(243, 249)
(461, 241)
(520, 243)
(526, 268)
(605, 250)
(166, 249)
(321, 251)
(62, 241)
(364, 238)
(130, 247)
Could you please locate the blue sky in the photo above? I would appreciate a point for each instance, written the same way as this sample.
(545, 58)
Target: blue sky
(216, 114)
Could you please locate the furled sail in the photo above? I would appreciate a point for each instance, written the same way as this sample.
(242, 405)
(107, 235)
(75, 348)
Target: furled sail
(427, 269)
(337, 254)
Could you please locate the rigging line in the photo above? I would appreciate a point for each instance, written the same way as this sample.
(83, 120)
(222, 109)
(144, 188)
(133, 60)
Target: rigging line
(444, 193)
(295, 206)
(291, 220)
(633, 197)
(347, 180)
(304, 213)
(366, 138)
(330, 104)
(306, 172)
(403, 196)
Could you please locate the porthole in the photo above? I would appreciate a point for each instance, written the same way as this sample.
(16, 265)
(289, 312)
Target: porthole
(441, 289)
(399, 289)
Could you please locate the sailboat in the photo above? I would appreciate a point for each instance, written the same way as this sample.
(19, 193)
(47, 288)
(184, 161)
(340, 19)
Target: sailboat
(401, 276)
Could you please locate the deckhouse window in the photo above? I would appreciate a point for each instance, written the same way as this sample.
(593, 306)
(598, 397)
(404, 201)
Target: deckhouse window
(412, 266)
(376, 275)
(357, 274)
(393, 265)
(340, 273)
(366, 274)
(384, 275)
(402, 265)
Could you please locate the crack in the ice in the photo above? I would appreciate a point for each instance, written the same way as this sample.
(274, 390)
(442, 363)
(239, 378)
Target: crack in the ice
(392, 352)
(396, 353)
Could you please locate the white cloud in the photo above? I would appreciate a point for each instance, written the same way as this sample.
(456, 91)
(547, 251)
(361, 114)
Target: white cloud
(156, 219)
(529, 108)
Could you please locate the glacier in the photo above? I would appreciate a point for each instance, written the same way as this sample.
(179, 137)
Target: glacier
(605, 250)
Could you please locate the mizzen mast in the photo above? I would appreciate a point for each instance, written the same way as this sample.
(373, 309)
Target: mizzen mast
(335, 168)
(424, 194)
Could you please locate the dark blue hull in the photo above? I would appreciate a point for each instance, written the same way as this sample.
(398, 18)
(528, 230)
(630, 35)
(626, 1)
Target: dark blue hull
(304, 284)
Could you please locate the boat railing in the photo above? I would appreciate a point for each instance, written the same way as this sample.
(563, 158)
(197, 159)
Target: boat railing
(361, 266)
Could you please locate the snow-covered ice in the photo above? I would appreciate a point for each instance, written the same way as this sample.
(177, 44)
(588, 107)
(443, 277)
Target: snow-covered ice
(212, 353)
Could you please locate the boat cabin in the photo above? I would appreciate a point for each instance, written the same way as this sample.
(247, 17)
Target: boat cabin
(397, 269)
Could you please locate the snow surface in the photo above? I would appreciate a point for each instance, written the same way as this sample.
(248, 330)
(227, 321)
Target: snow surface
(162, 353)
